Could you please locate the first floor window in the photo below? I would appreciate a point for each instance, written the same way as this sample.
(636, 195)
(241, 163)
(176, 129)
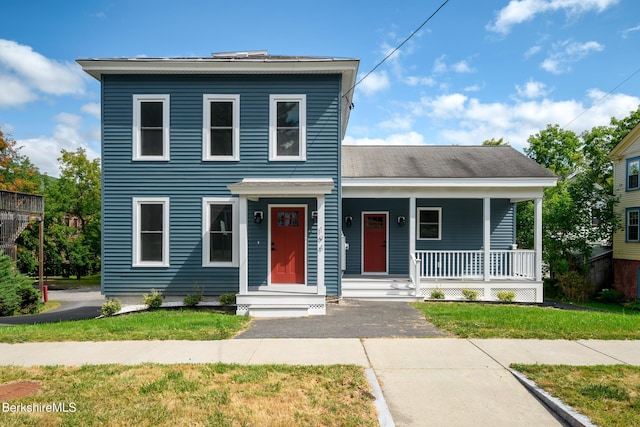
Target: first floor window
(633, 225)
(151, 232)
(151, 127)
(287, 127)
(429, 223)
(220, 232)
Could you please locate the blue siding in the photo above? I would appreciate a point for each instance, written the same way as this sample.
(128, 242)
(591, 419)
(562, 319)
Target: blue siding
(461, 228)
(186, 179)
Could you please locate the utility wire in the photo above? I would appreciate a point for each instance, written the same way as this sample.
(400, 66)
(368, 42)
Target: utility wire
(603, 97)
(395, 50)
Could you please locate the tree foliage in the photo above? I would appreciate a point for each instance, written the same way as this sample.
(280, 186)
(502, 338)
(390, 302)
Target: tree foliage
(579, 211)
(17, 173)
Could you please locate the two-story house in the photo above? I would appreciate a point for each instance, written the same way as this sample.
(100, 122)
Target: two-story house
(626, 240)
(227, 173)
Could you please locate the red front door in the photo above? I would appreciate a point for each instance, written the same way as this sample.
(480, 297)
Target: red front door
(374, 243)
(287, 245)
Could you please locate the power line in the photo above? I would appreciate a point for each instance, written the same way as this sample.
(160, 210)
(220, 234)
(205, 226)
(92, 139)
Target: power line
(395, 50)
(603, 97)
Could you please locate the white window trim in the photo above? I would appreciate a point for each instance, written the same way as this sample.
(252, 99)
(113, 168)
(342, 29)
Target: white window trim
(420, 209)
(626, 225)
(137, 201)
(273, 134)
(206, 126)
(206, 242)
(137, 100)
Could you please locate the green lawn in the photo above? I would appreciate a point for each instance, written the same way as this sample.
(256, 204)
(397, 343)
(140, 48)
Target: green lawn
(194, 395)
(478, 320)
(184, 324)
(57, 283)
(608, 395)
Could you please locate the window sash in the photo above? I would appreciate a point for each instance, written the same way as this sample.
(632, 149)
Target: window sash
(221, 127)
(220, 240)
(151, 232)
(633, 170)
(287, 127)
(633, 225)
(429, 223)
(151, 127)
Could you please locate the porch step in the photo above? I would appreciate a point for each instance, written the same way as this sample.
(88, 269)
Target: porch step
(260, 304)
(379, 289)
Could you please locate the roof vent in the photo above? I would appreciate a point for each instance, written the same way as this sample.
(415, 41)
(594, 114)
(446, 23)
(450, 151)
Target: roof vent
(242, 54)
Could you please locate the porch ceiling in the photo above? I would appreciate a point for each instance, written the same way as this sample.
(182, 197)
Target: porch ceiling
(277, 187)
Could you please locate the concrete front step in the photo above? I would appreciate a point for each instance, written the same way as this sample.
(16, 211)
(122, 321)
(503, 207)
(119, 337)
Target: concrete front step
(260, 304)
(379, 290)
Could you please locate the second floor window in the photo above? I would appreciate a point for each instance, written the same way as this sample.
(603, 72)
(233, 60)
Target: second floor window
(151, 127)
(633, 169)
(287, 127)
(221, 127)
(633, 224)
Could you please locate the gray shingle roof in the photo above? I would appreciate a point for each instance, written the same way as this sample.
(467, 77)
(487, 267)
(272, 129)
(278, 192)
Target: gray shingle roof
(429, 161)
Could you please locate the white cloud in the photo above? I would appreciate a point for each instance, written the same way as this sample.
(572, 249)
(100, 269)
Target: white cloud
(565, 53)
(532, 90)
(409, 138)
(625, 33)
(44, 151)
(440, 66)
(462, 67)
(24, 73)
(419, 81)
(532, 51)
(375, 82)
(519, 11)
(91, 108)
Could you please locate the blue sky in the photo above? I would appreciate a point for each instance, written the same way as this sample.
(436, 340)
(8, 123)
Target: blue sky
(478, 70)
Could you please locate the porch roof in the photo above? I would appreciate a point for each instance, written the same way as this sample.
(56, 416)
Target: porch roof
(438, 162)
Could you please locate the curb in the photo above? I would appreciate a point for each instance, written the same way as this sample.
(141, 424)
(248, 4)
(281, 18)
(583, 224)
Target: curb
(384, 415)
(566, 412)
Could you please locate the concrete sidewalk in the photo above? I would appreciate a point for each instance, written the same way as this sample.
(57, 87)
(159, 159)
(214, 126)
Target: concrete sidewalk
(425, 382)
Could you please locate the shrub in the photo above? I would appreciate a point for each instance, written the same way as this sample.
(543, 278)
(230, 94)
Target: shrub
(437, 294)
(506, 296)
(610, 296)
(575, 286)
(470, 294)
(193, 299)
(633, 305)
(111, 307)
(227, 299)
(153, 300)
(17, 294)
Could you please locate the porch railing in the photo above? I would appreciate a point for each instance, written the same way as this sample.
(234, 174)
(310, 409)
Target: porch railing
(503, 264)
(415, 266)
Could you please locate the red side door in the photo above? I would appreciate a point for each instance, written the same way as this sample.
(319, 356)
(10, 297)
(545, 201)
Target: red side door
(287, 245)
(374, 243)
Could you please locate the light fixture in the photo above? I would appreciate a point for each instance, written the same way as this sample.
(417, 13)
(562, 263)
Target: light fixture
(257, 217)
(401, 221)
(314, 215)
(348, 221)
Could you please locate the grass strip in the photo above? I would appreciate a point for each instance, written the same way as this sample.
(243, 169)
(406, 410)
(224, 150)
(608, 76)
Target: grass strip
(182, 324)
(195, 395)
(608, 395)
(477, 320)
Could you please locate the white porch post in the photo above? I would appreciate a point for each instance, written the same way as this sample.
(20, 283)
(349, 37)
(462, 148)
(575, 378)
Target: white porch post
(537, 239)
(486, 235)
(321, 236)
(243, 272)
(412, 226)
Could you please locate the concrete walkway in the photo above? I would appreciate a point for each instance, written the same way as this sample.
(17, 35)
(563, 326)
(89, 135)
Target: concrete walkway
(425, 382)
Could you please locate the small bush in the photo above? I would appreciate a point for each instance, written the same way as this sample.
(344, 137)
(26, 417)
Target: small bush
(192, 300)
(17, 294)
(227, 299)
(111, 307)
(506, 296)
(633, 305)
(437, 294)
(153, 300)
(470, 294)
(610, 296)
(575, 286)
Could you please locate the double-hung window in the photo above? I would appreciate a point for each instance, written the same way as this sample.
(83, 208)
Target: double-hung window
(633, 169)
(219, 232)
(429, 223)
(150, 127)
(221, 127)
(288, 127)
(633, 225)
(151, 232)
